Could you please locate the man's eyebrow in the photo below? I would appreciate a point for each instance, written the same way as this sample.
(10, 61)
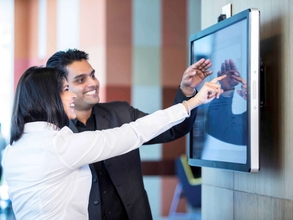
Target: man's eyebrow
(81, 75)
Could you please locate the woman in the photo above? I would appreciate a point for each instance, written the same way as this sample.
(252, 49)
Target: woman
(46, 169)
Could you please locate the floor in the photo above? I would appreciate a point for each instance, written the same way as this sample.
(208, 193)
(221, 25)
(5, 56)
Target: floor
(153, 187)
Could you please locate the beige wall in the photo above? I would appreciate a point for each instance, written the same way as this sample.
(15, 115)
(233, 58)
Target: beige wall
(269, 193)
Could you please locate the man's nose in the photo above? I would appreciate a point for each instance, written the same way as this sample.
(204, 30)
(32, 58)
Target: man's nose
(93, 81)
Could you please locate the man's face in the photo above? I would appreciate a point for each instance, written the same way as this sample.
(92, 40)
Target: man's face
(82, 81)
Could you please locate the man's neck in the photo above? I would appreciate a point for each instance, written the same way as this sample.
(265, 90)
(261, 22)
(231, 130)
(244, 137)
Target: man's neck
(83, 115)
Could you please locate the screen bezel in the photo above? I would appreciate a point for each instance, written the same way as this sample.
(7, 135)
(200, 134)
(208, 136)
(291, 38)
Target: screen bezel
(253, 91)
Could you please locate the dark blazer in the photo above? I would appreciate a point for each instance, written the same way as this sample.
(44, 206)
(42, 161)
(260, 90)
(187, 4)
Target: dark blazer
(125, 170)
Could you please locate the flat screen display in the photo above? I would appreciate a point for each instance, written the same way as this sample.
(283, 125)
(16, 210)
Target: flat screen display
(225, 133)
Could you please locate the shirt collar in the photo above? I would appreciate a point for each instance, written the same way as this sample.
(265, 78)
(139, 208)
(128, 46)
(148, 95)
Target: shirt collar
(38, 126)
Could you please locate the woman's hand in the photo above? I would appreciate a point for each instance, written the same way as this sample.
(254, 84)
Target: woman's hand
(207, 93)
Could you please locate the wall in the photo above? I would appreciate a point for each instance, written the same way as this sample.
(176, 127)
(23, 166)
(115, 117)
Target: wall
(137, 47)
(268, 194)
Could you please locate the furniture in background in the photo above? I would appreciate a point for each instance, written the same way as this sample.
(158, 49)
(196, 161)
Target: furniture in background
(189, 186)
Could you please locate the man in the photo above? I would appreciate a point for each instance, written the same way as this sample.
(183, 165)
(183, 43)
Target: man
(117, 183)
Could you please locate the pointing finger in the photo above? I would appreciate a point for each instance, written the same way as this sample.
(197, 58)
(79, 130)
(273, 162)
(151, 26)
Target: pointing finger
(217, 79)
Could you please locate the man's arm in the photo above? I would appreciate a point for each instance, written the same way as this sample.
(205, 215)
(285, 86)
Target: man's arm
(117, 113)
(175, 132)
(191, 78)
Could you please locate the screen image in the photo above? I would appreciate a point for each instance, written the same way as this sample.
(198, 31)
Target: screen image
(224, 134)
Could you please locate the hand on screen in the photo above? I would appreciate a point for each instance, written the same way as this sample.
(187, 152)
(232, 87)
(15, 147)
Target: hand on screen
(194, 75)
(228, 68)
(243, 91)
(233, 78)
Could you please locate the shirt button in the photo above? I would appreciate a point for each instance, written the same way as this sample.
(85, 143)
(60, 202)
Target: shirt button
(109, 213)
(96, 202)
(104, 192)
(94, 180)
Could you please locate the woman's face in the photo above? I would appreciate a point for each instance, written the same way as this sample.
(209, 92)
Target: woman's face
(68, 100)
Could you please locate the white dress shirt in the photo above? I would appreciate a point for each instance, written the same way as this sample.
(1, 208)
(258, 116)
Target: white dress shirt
(47, 169)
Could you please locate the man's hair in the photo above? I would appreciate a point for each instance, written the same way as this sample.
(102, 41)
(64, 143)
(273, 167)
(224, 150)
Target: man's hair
(61, 59)
(38, 98)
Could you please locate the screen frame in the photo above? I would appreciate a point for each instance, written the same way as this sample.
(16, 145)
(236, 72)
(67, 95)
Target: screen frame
(253, 90)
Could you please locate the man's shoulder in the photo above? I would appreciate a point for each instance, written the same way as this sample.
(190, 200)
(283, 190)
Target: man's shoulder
(115, 107)
(119, 109)
(113, 104)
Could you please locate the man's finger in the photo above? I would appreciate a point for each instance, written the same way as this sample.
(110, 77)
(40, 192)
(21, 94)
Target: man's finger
(207, 73)
(198, 63)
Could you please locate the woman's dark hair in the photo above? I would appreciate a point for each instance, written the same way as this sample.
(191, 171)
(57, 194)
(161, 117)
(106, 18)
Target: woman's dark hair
(37, 98)
(61, 59)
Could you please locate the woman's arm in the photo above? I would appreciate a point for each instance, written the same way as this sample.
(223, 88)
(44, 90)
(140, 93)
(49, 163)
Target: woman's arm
(101, 145)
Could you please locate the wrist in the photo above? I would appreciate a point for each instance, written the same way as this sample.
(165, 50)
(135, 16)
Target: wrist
(194, 102)
(187, 107)
(188, 91)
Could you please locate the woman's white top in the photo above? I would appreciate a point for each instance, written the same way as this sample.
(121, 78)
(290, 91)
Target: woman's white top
(47, 169)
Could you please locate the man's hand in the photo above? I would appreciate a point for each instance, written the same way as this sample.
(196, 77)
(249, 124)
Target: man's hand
(194, 75)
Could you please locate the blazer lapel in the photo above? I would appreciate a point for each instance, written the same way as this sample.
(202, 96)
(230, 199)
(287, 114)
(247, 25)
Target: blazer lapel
(102, 121)
(73, 127)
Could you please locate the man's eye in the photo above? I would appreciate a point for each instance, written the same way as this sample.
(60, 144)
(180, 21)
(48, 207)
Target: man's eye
(93, 76)
(80, 80)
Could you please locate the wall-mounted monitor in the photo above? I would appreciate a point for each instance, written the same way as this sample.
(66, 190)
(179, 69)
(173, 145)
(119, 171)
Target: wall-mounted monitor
(225, 134)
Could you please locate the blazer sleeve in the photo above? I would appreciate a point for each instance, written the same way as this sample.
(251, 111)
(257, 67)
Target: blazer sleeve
(177, 131)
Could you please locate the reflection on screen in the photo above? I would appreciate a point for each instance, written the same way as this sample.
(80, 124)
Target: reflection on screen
(220, 130)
